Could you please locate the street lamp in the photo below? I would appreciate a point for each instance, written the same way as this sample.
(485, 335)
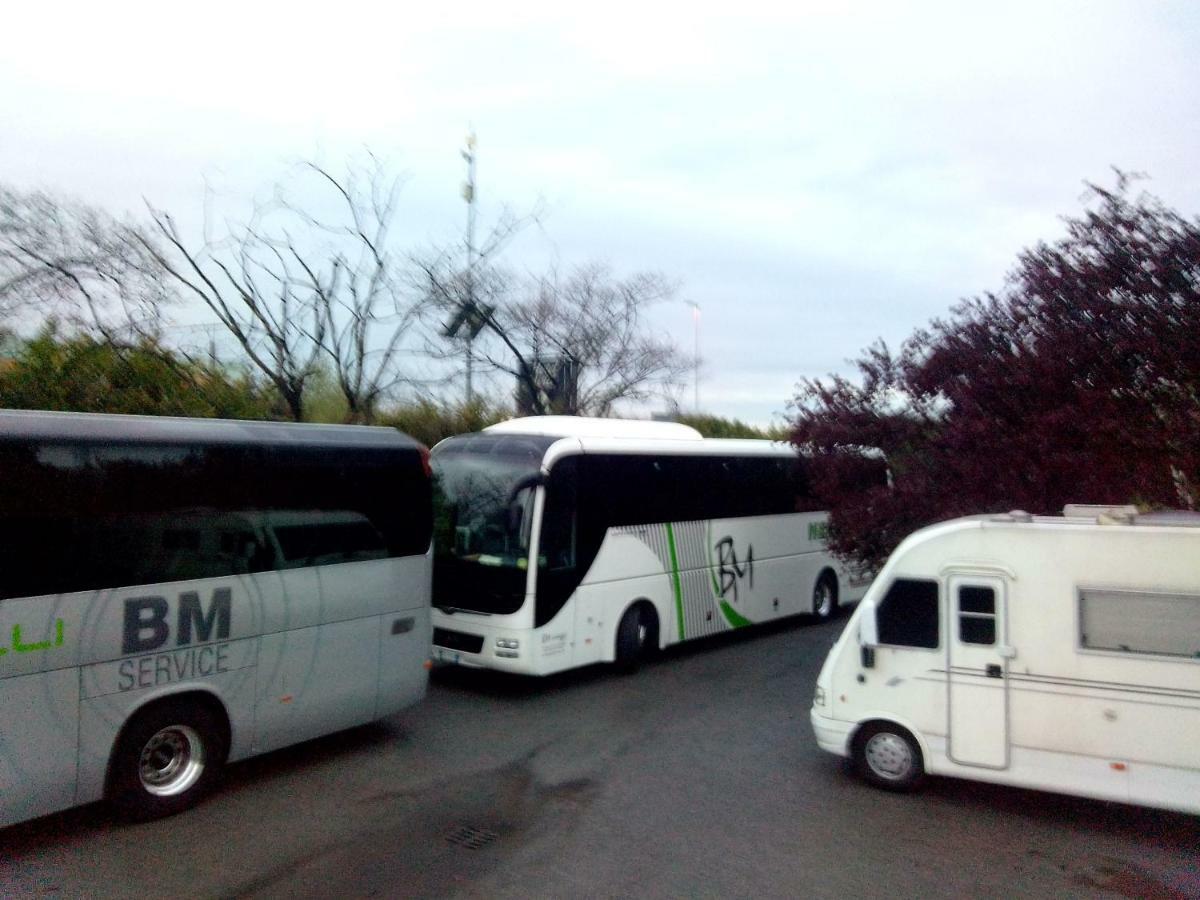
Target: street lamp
(468, 193)
(696, 354)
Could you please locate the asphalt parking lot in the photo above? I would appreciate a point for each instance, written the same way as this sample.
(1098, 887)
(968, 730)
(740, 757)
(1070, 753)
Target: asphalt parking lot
(697, 777)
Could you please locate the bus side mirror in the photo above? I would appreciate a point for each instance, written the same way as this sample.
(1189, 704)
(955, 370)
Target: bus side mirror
(515, 509)
(868, 633)
(527, 483)
(868, 628)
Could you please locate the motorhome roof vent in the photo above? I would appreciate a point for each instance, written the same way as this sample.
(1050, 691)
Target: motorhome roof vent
(1101, 513)
(1171, 517)
(1017, 515)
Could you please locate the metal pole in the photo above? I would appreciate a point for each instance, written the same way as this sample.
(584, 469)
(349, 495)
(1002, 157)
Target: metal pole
(696, 358)
(469, 196)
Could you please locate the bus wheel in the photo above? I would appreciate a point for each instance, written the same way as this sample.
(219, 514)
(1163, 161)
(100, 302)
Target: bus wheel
(637, 636)
(825, 597)
(168, 757)
(888, 756)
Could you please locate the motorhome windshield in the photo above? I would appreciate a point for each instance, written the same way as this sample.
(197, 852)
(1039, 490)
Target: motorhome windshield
(484, 487)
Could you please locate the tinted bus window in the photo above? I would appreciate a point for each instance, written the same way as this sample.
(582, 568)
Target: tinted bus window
(320, 541)
(638, 490)
(563, 553)
(79, 516)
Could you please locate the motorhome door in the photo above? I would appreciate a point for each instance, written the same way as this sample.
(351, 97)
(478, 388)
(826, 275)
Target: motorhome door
(977, 672)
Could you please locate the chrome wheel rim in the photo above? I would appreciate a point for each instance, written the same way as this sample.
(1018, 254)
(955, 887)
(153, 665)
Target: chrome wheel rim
(889, 756)
(172, 761)
(823, 600)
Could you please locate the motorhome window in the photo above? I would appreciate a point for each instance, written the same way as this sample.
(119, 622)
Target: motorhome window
(908, 614)
(977, 615)
(1138, 622)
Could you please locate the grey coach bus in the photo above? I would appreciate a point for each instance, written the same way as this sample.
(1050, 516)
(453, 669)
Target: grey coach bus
(179, 593)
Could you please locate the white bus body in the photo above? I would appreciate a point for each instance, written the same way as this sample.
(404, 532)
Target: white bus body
(644, 534)
(1058, 653)
(176, 593)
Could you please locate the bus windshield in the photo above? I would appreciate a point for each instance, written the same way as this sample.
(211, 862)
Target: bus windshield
(484, 487)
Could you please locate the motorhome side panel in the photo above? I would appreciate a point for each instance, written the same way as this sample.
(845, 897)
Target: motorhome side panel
(1067, 698)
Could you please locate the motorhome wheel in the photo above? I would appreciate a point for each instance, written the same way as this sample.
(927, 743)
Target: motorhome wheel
(888, 756)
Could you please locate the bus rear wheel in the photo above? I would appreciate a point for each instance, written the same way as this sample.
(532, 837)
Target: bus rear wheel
(168, 757)
(825, 597)
(637, 637)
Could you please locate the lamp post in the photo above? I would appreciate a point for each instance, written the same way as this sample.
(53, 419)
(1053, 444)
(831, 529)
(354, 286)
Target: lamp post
(468, 193)
(695, 355)
(469, 317)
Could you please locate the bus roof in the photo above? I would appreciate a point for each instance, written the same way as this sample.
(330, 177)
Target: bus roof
(22, 425)
(584, 427)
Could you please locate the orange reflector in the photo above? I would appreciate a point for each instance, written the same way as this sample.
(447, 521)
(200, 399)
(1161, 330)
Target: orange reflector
(1118, 767)
(286, 698)
(428, 664)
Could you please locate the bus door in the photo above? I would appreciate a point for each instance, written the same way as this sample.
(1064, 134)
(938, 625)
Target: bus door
(977, 672)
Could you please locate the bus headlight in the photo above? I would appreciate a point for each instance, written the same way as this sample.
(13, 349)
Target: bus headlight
(819, 696)
(508, 643)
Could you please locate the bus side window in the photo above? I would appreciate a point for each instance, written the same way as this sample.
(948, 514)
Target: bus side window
(570, 537)
(557, 548)
(245, 551)
(800, 486)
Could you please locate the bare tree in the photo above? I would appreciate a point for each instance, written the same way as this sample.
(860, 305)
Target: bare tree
(465, 297)
(296, 289)
(585, 342)
(366, 312)
(576, 344)
(65, 260)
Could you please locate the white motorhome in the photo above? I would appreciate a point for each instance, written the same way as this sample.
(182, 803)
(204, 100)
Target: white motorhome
(1057, 653)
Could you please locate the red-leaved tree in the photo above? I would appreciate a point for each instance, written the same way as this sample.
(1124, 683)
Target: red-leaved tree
(1079, 381)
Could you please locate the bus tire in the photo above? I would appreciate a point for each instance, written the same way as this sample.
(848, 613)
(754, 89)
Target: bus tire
(637, 637)
(168, 756)
(825, 597)
(888, 756)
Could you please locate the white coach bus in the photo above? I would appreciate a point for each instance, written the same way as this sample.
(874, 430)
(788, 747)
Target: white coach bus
(1059, 653)
(563, 541)
(179, 593)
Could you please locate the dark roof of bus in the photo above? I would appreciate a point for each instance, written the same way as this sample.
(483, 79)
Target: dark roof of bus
(103, 428)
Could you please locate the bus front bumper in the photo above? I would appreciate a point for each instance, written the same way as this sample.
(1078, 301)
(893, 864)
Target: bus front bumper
(833, 735)
(459, 641)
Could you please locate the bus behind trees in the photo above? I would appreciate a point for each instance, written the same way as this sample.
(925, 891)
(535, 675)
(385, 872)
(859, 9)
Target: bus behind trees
(561, 542)
(179, 593)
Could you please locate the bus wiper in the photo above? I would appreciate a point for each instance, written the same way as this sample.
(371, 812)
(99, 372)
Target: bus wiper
(451, 610)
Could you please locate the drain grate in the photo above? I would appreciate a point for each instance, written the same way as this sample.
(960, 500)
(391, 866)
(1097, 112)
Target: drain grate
(471, 837)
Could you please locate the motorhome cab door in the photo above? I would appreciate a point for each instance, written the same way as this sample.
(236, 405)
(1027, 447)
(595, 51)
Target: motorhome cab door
(977, 672)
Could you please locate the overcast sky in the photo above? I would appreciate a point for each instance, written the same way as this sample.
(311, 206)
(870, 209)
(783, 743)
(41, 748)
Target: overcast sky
(815, 176)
